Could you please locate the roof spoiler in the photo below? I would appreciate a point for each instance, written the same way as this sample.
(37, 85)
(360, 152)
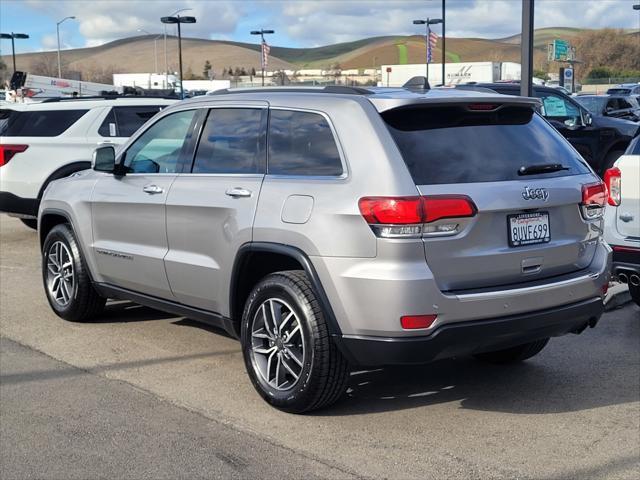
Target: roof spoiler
(417, 83)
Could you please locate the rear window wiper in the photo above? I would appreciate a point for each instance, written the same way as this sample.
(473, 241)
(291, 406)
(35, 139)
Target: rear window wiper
(541, 168)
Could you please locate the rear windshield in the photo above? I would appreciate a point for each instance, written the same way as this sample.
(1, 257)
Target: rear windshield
(453, 145)
(42, 123)
(619, 91)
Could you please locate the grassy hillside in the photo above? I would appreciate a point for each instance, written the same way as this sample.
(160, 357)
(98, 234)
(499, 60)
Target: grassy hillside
(136, 54)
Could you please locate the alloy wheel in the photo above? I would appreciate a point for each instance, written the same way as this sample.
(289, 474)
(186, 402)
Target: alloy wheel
(60, 274)
(277, 344)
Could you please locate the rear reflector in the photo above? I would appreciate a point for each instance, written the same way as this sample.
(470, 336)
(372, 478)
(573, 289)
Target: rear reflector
(622, 249)
(8, 151)
(411, 322)
(613, 181)
(594, 198)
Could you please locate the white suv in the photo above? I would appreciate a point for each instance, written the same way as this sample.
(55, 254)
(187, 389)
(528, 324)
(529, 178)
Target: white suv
(41, 142)
(622, 220)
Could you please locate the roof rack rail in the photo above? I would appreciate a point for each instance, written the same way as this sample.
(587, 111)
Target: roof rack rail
(340, 89)
(105, 97)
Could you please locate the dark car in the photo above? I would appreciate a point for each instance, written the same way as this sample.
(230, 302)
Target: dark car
(601, 140)
(616, 106)
(625, 89)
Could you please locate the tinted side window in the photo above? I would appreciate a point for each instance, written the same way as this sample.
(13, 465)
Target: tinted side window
(232, 141)
(557, 107)
(49, 123)
(158, 149)
(302, 143)
(124, 121)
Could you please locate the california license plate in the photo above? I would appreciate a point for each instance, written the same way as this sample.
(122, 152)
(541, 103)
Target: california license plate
(528, 228)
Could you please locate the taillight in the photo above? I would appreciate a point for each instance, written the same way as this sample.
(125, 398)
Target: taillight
(594, 198)
(613, 181)
(403, 217)
(8, 151)
(411, 322)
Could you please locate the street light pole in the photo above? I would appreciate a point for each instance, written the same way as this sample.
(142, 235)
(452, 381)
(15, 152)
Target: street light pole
(178, 20)
(58, 35)
(166, 58)
(526, 49)
(13, 36)
(444, 43)
(262, 33)
(155, 49)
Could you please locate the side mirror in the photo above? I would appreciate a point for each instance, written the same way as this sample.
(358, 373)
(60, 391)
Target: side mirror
(104, 159)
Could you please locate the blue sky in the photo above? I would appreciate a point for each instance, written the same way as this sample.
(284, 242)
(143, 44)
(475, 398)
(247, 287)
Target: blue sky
(297, 23)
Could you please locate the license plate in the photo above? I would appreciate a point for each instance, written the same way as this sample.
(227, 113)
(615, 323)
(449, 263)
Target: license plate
(528, 229)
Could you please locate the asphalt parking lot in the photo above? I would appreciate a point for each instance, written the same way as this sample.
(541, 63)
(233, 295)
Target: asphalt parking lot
(141, 394)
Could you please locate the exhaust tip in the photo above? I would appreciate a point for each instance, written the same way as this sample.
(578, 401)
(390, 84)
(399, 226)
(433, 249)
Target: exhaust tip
(623, 277)
(634, 280)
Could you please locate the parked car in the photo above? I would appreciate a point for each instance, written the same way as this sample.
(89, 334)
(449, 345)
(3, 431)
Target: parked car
(622, 220)
(625, 89)
(616, 106)
(336, 227)
(41, 142)
(599, 139)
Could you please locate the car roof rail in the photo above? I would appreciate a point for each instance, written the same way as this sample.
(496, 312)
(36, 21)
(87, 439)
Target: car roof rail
(105, 97)
(337, 89)
(417, 84)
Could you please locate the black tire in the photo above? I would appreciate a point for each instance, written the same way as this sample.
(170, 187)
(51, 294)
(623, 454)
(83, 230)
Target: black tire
(30, 222)
(635, 293)
(84, 303)
(323, 373)
(515, 354)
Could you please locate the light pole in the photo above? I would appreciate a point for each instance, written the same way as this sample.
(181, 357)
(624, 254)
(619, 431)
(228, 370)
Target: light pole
(58, 35)
(427, 23)
(179, 20)
(526, 49)
(262, 32)
(444, 43)
(13, 36)
(155, 49)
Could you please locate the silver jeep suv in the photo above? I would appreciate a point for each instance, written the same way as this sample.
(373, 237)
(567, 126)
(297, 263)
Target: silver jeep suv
(337, 227)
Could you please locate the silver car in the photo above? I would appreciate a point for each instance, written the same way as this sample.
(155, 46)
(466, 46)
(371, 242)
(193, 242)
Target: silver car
(335, 227)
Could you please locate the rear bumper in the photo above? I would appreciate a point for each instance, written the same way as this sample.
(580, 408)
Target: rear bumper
(467, 338)
(10, 203)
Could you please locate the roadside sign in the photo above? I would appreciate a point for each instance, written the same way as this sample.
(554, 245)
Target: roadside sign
(561, 49)
(388, 69)
(568, 79)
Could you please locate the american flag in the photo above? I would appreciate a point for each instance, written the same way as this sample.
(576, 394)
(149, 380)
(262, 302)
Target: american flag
(433, 41)
(264, 59)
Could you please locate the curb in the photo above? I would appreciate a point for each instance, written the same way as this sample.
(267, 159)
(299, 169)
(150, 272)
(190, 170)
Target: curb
(617, 296)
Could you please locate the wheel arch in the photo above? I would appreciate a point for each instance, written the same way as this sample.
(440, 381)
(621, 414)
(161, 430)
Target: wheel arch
(63, 172)
(256, 260)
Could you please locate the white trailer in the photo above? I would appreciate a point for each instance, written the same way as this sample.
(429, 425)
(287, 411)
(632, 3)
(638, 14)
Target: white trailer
(208, 85)
(29, 87)
(148, 81)
(455, 73)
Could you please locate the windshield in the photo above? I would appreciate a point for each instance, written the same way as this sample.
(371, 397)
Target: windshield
(593, 104)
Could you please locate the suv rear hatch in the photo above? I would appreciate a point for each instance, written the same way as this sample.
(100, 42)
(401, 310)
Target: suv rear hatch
(527, 187)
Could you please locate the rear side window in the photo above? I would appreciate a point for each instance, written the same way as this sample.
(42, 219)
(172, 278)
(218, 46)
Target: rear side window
(232, 141)
(302, 143)
(454, 145)
(124, 121)
(43, 123)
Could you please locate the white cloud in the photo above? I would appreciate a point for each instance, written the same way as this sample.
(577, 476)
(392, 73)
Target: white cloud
(321, 22)
(102, 21)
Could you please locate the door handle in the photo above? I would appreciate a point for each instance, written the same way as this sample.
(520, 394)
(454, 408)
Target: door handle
(152, 189)
(106, 142)
(238, 192)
